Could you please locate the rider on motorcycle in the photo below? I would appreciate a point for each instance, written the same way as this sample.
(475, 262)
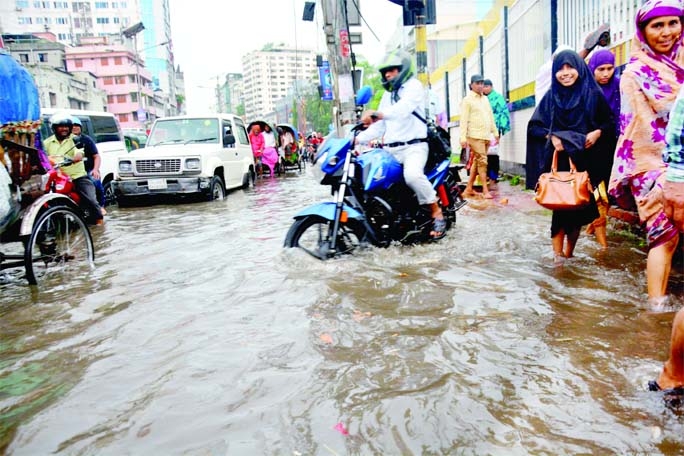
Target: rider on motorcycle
(404, 135)
(61, 145)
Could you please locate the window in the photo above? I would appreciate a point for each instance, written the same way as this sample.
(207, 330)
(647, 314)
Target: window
(131, 79)
(116, 20)
(42, 57)
(21, 4)
(101, 5)
(107, 80)
(102, 20)
(110, 99)
(24, 58)
(123, 117)
(104, 61)
(61, 20)
(78, 63)
(121, 98)
(121, 79)
(117, 60)
(53, 99)
(24, 21)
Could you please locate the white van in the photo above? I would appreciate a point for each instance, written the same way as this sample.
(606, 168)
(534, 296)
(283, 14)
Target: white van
(105, 130)
(202, 155)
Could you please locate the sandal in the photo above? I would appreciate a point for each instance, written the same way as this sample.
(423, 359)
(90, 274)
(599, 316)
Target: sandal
(438, 228)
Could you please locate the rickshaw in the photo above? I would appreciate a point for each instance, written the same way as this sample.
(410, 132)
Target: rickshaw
(271, 161)
(42, 232)
(291, 155)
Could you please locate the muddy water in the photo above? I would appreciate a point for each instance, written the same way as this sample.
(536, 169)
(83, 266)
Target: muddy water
(197, 333)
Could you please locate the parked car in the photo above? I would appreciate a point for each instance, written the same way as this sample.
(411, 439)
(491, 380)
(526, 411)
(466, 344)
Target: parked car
(185, 155)
(105, 130)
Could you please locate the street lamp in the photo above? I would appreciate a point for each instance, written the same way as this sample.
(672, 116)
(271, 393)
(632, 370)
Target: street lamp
(132, 32)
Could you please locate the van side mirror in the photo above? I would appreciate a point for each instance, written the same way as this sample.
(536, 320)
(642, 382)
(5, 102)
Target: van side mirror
(228, 140)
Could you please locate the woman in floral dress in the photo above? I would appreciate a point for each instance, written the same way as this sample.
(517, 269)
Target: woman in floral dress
(648, 88)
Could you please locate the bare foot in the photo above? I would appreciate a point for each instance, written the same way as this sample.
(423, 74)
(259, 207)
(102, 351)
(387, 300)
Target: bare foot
(488, 196)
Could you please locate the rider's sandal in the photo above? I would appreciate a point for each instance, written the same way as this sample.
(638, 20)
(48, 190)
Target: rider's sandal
(438, 228)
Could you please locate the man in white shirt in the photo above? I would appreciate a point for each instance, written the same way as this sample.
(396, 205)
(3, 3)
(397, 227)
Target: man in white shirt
(404, 134)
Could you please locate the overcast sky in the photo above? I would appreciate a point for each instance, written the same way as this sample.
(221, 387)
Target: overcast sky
(210, 37)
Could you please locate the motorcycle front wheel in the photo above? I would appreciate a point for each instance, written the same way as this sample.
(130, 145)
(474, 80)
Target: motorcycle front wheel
(312, 234)
(60, 245)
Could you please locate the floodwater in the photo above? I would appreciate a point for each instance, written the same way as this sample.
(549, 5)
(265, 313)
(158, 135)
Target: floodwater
(198, 334)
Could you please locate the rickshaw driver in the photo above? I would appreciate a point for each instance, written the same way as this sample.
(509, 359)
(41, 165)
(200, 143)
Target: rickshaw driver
(404, 134)
(61, 145)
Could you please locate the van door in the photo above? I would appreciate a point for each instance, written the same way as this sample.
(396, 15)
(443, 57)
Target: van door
(243, 149)
(105, 130)
(233, 177)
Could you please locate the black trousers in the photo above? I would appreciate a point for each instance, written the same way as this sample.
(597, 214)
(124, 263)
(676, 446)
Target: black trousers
(86, 188)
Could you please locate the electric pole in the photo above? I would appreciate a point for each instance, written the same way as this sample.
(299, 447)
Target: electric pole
(339, 56)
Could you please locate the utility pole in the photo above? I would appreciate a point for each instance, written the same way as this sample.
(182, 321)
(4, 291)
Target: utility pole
(339, 56)
(421, 46)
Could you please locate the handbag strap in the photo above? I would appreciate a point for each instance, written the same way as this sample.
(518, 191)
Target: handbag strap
(554, 163)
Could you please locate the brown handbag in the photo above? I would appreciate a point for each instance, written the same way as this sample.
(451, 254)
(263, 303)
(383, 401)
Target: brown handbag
(563, 190)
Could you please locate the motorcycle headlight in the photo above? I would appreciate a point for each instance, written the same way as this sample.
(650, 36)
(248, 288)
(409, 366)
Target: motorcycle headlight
(193, 164)
(125, 166)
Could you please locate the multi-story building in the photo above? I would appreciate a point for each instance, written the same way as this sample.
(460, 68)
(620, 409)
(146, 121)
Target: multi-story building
(230, 93)
(122, 74)
(57, 87)
(68, 20)
(269, 73)
(74, 22)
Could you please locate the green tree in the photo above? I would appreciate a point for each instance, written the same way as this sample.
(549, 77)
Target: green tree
(240, 109)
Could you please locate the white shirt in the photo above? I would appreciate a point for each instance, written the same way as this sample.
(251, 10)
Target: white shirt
(269, 139)
(398, 123)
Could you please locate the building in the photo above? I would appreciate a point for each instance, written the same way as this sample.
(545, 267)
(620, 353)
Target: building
(57, 87)
(76, 22)
(122, 74)
(269, 73)
(230, 94)
(68, 20)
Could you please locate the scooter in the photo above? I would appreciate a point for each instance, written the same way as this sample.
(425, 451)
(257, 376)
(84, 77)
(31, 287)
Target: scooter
(372, 205)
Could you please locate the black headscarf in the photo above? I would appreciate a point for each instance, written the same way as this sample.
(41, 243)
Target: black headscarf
(566, 100)
(570, 113)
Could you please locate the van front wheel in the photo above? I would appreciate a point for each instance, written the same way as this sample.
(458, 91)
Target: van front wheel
(216, 190)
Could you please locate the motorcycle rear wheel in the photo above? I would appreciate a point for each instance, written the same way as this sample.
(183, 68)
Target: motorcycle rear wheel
(311, 234)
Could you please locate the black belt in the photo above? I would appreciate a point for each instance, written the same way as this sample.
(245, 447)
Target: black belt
(407, 143)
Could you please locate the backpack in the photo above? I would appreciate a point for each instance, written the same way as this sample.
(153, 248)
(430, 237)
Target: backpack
(438, 140)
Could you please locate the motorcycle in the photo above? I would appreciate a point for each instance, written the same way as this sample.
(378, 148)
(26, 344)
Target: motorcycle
(372, 205)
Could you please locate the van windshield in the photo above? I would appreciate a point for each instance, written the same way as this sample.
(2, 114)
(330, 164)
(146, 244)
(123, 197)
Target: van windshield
(184, 131)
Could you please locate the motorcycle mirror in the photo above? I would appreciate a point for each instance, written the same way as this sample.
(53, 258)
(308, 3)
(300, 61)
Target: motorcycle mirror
(364, 95)
(78, 141)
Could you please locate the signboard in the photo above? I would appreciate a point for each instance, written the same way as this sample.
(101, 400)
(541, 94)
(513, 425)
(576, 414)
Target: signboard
(345, 48)
(326, 81)
(142, 115)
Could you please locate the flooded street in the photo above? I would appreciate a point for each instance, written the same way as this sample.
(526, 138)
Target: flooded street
(198, 334)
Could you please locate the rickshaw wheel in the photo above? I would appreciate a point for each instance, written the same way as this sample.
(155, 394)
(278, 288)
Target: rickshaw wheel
(60, 245)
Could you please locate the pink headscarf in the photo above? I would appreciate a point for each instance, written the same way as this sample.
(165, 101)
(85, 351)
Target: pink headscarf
(650, 10)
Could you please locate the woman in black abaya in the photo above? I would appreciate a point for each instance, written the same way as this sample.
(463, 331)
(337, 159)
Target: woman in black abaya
(570, 118)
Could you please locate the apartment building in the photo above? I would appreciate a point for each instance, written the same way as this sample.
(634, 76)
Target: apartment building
(76, 22)
(269, 73)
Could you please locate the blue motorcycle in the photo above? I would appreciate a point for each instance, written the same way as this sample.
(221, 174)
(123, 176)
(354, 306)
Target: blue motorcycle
(372, 205)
